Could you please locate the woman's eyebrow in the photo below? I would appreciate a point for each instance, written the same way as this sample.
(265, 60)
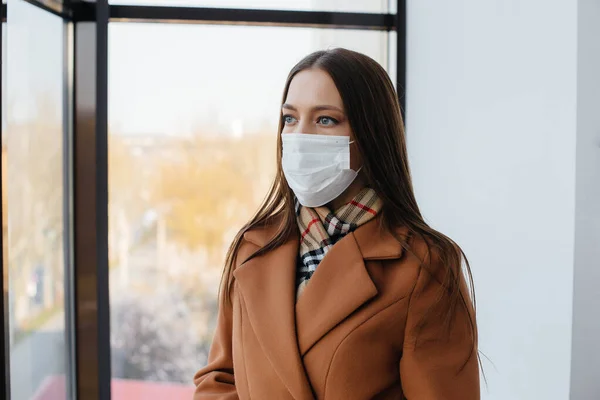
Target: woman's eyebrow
(327, 107)
(315, 108)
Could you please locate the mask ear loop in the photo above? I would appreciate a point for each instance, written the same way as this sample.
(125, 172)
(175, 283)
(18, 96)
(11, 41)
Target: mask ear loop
(358, 170)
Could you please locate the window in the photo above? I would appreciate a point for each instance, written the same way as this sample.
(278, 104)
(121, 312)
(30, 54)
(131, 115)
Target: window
(193, 104)
(192, 126)
(32, 153)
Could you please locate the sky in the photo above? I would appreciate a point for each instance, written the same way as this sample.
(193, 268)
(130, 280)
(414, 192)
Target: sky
(169, 79)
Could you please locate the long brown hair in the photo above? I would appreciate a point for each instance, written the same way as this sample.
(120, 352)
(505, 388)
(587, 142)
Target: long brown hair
(373, 111)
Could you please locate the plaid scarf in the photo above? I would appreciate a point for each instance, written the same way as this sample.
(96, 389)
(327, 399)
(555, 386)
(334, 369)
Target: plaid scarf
(320, 229)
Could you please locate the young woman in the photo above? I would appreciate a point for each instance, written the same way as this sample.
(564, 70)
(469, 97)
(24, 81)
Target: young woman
(337, 288)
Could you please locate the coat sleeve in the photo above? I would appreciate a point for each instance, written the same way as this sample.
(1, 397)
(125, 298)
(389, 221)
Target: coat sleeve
(216, 381)
(438, 362)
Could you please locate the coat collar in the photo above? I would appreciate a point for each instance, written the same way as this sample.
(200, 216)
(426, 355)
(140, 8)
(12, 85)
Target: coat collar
(375, 241)
(287, 329)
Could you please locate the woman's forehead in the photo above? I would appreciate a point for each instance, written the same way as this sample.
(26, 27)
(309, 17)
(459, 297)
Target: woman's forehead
(313, 86)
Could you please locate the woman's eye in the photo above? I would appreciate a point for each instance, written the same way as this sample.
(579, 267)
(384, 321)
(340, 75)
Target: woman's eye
(288, 119)
(327, 121)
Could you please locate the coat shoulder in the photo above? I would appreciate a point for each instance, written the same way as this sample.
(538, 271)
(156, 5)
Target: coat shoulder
(435, 263)
(418, 255)
(424, 252)
(258, 236)
(261, 234)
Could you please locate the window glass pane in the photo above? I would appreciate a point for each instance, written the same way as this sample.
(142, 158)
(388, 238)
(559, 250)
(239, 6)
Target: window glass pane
(34, 192)
(392, 6)
(368, 6)
(392, 68)
(193, 119)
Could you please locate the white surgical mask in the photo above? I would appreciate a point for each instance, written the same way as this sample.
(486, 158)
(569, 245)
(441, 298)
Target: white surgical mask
(317, 167)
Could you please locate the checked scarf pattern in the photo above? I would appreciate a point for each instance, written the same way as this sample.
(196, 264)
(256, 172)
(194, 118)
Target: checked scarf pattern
(320, 229)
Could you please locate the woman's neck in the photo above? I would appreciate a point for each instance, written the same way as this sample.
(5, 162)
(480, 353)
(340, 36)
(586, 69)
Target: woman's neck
(347, 196)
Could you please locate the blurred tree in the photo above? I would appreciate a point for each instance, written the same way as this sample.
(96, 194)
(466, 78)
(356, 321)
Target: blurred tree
(200, 190)
(34, 195)
(35, 165)
(153, 340)
(129, 175)
(208, 188)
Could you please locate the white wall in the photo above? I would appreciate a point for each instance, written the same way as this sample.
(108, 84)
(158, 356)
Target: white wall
(492, 126)
(585, 373)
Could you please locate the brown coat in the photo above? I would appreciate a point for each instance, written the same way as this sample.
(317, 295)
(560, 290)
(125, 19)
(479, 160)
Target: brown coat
(351, 335)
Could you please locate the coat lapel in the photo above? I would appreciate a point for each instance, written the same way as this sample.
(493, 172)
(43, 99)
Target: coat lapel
(287, 329)
(267, 284)
(341, 282)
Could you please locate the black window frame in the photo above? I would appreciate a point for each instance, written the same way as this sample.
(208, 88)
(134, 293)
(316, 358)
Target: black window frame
(85, 53)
